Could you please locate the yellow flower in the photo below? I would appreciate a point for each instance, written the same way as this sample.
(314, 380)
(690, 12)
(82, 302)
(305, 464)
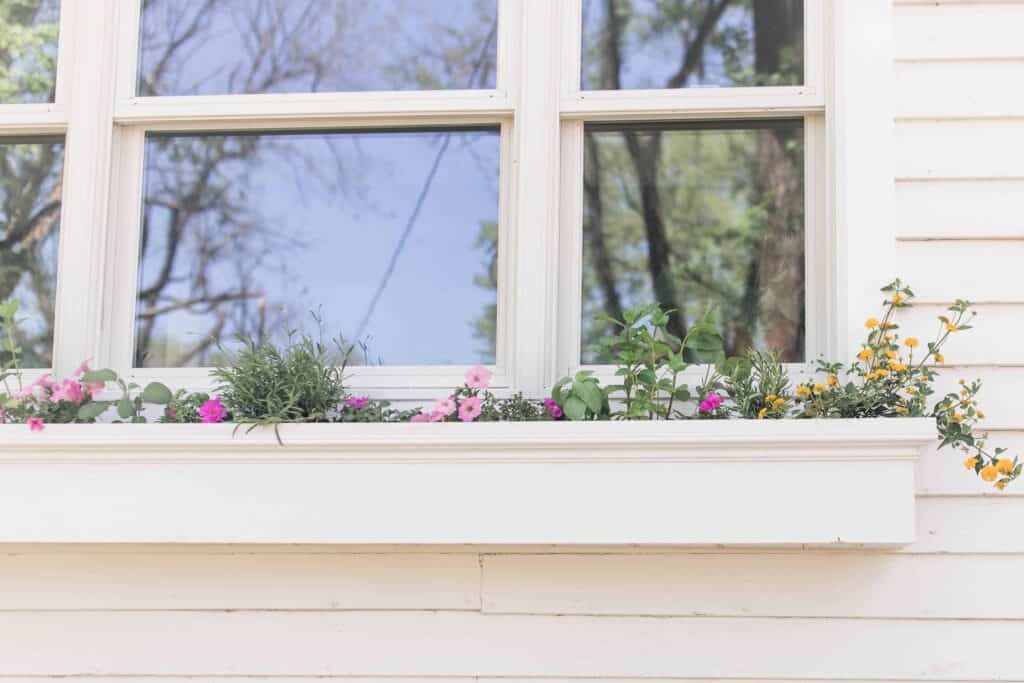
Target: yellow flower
(778, 403)
(911, 342)
(981, 414)
(971, 463)
(871, 323)
(912, 391)
(871, 376)
(892, 354)
(897, 299)
(958, 418)
(1000, 485)
(951, 327)
(939, 358)
(866, 354)
(989, 473)
(761, 413)
(803, 392)
(819, 388)
(882, 372)
(897, 367)
(770, 398)
(1004, 466)
(833, 381)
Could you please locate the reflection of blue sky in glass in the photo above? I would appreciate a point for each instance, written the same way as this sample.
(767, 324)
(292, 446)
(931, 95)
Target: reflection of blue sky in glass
(192, 47)
(300, 222)
(30, 196)
(653, 46)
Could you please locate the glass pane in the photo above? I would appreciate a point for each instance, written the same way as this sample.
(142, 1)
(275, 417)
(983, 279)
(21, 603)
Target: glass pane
(692, 43)
(211, 47)
(30, 195)
(692, 215)
(28, 50)
(389, 237)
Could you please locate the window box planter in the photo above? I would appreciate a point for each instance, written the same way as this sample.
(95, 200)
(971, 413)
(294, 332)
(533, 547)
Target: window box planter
(710, 482)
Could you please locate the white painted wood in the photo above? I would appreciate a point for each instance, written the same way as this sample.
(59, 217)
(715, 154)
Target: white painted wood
(471, 644)
(238, 581)
(32, 119)
(974, 209)
(820, 585)
(960, 149)
(859, 121)
(981, 271)
(1000, 394)
(947, 31)
(971, 89)
(971, 525)
(994, 340)
(701, 103)
(940, 473)
(666, 482)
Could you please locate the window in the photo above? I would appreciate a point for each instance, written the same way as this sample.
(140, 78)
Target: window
(451, 182)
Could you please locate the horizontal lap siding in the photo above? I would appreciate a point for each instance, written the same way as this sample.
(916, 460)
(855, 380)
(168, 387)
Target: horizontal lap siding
(930, 611)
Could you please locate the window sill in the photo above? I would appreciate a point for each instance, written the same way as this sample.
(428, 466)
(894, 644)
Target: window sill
(776, 483)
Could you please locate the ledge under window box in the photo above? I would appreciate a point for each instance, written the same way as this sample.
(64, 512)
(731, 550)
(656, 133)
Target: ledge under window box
(683, 482)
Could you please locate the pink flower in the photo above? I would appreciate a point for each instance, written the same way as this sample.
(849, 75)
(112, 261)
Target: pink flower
(83, 368)
(357, 402)
(420, 417)
(41, 383)
(553, 408)
(213, 411)
(478, 377)
(35, 424)
(470, 409)
(711, 402)
(445, 406)
(171, 412)
(437, 417)
(69, 390)
(93, 388)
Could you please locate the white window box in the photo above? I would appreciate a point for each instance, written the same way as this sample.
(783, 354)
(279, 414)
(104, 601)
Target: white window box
(710, 482)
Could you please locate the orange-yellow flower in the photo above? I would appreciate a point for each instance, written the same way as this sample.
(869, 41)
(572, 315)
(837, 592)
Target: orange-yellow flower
(892, 354)
(912, 391)
(871, 323)
(833, 381)
(897, 299)
(989, 473)
(882, 372)
(971, 463)
(761, 413)
(778, 403)
(897, 367)
(981, 414)
(803, 392)
(951, 327)
(819, 388)
(958, 418)
(911, 342)
(1000, 485)
(866, 354)
(1004, 466)
(939, 358)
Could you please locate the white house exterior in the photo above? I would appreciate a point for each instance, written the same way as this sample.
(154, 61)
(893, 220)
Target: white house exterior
(923, 117)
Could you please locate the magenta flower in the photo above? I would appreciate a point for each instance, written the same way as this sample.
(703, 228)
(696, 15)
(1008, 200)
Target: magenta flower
(93, 388)
(478, 377)
(420, 417)
(41, 383)
(171, 412)
(83, 368)
(710, 402)
(357, 402)
(70, 391)
(213, 411)
(470, 409)
(445, 406)
(35, 424)
(553, 408)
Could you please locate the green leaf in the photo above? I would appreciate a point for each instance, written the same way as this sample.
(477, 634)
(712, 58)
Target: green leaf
(155, 392)
(575, 409)
(125, 409)
(591, 394)
(99, 376)
(92, 410)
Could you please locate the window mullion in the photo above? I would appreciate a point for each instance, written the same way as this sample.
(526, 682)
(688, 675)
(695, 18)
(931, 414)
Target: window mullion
(86, 188)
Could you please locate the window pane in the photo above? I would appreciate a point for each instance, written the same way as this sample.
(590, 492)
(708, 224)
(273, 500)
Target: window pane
(388, 236)
(692, 43)
(692, 215)
(209, 47)
(30, 194)
(28, 50)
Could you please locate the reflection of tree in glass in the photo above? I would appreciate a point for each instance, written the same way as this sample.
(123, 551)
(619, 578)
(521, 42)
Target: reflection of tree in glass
(198, 226)
(28, 50)
(652, 226)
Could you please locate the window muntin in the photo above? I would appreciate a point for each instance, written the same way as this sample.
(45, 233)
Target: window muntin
(697, 214)
(30, 204)
(198, 47)
(692, 43)
(28, 50)
(389, 237)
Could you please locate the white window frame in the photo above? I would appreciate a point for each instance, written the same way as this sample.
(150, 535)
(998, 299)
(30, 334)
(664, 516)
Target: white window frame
(846, 104)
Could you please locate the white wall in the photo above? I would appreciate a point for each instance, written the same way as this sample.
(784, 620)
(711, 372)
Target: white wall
(946, 608)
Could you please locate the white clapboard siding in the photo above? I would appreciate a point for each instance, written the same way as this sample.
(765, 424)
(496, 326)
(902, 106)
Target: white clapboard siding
(1000, 394)
(960, 148)
(963, 30)
(836, 585)
(981, 271)
(983, 89)
(959, 209)
(983, 525)
(940, 472)
(187, 581)
(471, 643)
(995, 339)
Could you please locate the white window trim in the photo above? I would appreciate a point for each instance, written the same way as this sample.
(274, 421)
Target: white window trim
(846, 102)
